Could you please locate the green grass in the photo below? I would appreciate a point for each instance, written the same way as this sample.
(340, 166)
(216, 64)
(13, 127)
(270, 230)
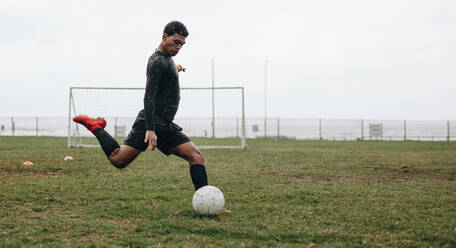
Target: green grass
(282, 194)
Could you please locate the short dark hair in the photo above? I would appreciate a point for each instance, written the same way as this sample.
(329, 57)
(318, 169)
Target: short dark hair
(176, 27)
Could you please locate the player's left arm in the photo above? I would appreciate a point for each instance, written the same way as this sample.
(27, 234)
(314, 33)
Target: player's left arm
(180, 68)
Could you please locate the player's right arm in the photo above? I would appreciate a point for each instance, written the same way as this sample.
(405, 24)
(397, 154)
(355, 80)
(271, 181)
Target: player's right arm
(151, 138)
(154, 73)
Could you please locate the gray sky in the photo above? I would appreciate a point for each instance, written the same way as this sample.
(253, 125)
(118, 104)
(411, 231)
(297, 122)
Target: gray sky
(331, 59)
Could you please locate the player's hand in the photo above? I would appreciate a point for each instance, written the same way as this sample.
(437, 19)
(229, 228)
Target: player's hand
(180, 68)
(151, 138)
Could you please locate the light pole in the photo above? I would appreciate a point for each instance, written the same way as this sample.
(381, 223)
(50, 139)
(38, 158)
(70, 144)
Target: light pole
(265, 96)
(213, 100)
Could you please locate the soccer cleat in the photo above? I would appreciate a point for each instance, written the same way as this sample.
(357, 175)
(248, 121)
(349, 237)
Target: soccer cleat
(90, 123)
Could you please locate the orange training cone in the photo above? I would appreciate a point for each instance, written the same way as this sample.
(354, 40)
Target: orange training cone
(68, 158)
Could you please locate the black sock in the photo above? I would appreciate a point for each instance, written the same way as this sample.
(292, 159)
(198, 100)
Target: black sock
(107, 142)
(198, 174)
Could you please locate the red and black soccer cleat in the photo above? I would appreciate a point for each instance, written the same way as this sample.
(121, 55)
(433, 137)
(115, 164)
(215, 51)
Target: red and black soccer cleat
(89, 122)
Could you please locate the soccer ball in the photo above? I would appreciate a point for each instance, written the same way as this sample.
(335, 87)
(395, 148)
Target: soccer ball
(208, 200)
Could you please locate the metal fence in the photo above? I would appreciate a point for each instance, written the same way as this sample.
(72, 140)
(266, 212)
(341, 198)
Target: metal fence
(276, 128)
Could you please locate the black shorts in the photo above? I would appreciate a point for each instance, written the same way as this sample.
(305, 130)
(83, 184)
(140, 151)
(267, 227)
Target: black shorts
(168, 136)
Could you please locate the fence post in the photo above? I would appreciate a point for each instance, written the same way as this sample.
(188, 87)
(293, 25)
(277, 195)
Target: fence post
(319, 128)
(448, 130)
(362, 129)
(115, 128)
(36, 125)
(237, 127)
(12, 125)
(278, 128)
(405, 130)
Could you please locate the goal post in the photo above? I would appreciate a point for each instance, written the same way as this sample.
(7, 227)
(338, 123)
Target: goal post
(210, 124)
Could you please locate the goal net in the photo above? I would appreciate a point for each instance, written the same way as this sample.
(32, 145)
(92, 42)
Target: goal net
(212, 117)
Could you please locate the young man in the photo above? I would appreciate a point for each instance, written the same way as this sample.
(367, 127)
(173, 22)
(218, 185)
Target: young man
(153, 127)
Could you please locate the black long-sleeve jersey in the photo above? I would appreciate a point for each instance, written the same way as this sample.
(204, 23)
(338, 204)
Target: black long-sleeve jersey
(162, 96)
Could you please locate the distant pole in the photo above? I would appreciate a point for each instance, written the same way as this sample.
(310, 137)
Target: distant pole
(213, 99)
(243, 140)
(12, 125)
(319, 128)
(265, 96)
(36, 125)
(405, 130)
(278, 128)
(448, 130)
(115, 127)
(362, 129)
(237, 127)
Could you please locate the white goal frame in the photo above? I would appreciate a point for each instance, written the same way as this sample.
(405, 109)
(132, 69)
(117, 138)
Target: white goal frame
(72, 109)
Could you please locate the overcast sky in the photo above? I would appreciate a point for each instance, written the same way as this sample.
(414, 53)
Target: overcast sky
(331, 59)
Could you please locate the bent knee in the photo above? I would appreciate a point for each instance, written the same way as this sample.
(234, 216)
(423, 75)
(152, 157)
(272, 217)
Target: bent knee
(196, 158)
(118, 163)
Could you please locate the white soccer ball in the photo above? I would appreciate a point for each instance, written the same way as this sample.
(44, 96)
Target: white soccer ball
(208, 200)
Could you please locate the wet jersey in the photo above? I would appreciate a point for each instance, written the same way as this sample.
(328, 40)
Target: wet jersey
(162, 95)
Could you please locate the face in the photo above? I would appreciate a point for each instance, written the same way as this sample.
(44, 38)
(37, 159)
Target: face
(172, 44)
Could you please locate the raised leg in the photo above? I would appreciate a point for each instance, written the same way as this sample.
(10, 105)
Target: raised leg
(123, 156)
(120, 157)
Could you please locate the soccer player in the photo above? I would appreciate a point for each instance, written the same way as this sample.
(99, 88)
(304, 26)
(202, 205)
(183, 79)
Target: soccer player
(153, 127)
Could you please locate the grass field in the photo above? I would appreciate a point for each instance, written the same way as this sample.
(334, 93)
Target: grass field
(281, 193)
